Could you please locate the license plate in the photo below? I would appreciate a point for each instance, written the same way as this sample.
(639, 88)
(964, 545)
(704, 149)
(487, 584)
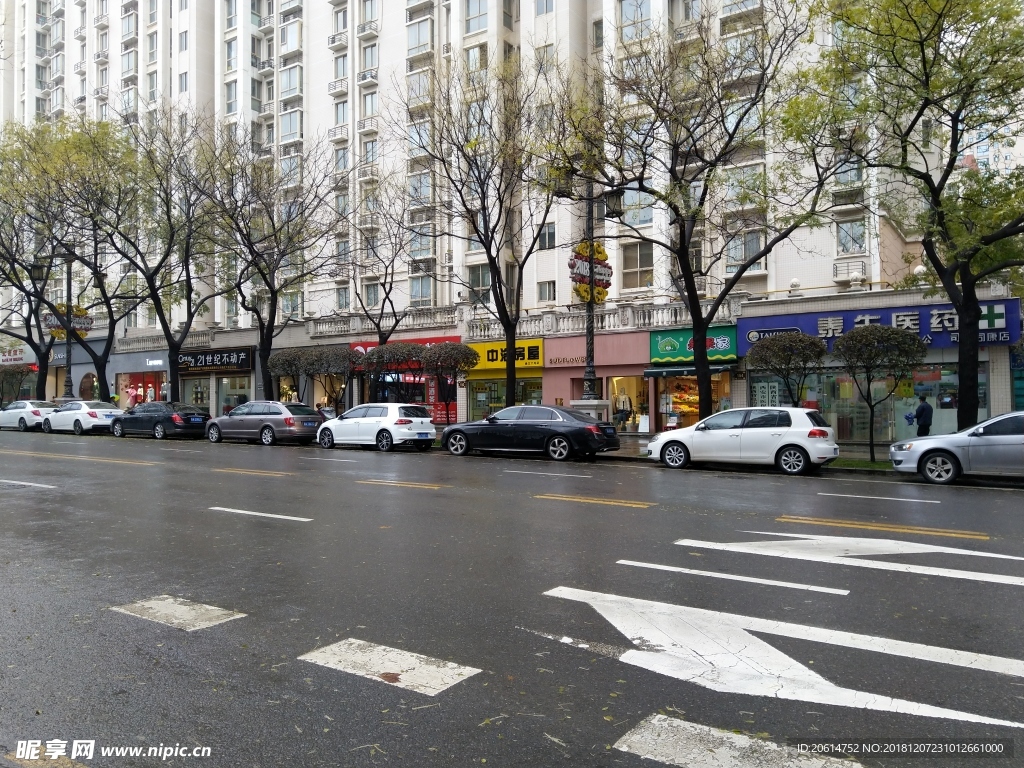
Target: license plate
(609, 430)
(108, 415)
(835, 451)
(309, 423)
(423, 435)
(197, 419)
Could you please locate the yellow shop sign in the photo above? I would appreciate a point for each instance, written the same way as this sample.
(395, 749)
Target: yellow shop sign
(529, 354)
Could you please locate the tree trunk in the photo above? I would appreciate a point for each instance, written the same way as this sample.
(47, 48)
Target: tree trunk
(703, 368)
(173, 370)
(510, 365)
(44, 370)
(967, 357)
(266, 346)
(871, 423)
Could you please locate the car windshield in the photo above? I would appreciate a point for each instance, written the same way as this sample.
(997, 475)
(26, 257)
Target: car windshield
(413, 412)
(301, 410)
(96, 404)
(41, 404)
(184, 408)
(580, 416)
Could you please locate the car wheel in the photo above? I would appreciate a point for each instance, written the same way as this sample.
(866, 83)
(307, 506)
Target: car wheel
(385, 442)
(675, 456)
(940, 468)
(267, 436)
(78, 429)
(558, 448)
(47, 428)
(792, 460)
(117, 429)
(424, 445)
(22, 425)
(326, 439)
(213, 434)
(159, 431)
(457, 444)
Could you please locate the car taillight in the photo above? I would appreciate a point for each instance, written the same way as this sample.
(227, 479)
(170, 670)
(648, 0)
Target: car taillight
(594, 428)
(37, 413)
(818, 433)
(403, 421)
(289, 421)
(176, 418)
(92, 415)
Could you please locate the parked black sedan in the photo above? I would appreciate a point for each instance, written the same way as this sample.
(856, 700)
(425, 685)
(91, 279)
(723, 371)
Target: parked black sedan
(558, 432)
(161, 420)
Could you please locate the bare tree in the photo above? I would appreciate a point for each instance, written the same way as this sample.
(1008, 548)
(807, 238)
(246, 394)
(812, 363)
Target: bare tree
(278, 219)
(707, 131)
(479, 127)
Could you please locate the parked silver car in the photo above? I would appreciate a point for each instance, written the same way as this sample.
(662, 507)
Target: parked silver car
(994, 447)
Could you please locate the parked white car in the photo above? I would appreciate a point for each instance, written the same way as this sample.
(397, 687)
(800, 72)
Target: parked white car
(384, 425)
(81, 416)
(24, 415)
(793, 439)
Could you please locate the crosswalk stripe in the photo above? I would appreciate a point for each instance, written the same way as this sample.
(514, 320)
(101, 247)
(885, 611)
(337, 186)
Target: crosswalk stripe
(734, 577)
(591, 500)
(178, 613)
(263, 472)
(404, 484)
(394, 666)
(261, 514)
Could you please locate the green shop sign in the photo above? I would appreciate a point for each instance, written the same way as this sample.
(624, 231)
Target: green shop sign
(677, 346)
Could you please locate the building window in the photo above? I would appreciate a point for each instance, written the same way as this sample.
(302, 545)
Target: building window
(369, 10)
(371, 294)
(291, 125)
(851, 237)
(341, 66)
(421, 292)
(341, 159)
(291, 169)
(255, 95)
(154, 9)
(231, 55)
(152, 47)
(183, 41)
(231, 97)
(344, 248)
(850, 172)
(291, 304)
(546, 237)
(639, 208)
(637, 265)
(290, 82)
(545, 57)
(421, 242)
(419, 37)
(370, 104)
(344, 298)
(151, 87)
(598, 28)
(183, 82)
(419, 189)
(341, 203)
(546, 291)
(183, 5)
(476, 15)
(480, 283)
(545, 6)
(340, 20)
(290, 38)
(370, 151)
(635, 19)
(232, 13)
(742, 247)
(341, 112)
(370, 56)
(419, 139)
(419, 88)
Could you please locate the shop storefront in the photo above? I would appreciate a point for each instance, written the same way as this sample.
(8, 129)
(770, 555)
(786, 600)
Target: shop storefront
(15, 386)
(136, 377)
(834, 392)
(217, 380)
(620, 360)
(410, 385)
(677, 403)
(485, 384)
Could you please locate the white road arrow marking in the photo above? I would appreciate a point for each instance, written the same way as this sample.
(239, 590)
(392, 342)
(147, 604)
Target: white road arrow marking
(716, 651)
(842, 550)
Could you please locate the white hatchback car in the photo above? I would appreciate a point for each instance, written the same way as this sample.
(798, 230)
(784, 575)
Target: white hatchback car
(24, 415)
(793, 439)
(384, 425)
(81, 416)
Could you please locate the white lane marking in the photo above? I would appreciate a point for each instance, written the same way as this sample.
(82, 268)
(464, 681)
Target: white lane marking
(549, 474)
(67, 442)
(390, 665)
(676, 742)
(733, 577)
(317, 458)
(261, 514)
(881, 498)
(717, 651)
(30, 485)
(178, 613)
(180, 450)
(843, 550)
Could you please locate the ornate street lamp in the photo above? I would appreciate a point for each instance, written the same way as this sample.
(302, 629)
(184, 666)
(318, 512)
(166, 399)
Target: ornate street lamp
(69, 387)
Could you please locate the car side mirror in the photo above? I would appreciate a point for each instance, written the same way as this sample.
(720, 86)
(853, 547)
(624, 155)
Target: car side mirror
(701, 428)
(979, 432)
(491, 419)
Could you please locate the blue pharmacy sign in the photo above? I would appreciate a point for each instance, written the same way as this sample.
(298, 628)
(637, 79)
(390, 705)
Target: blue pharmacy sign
(936, 324)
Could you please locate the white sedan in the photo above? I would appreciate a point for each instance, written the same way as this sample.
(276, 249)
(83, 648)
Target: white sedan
(24, 415)
(81, 416)
(384, 425)
(793, 439)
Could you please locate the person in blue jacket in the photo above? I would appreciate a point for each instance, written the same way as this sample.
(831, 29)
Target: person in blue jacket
(923, 417)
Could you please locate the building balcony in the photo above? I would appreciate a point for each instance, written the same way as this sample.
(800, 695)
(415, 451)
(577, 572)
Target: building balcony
(338, 133)
(291, 139)
(80, 33)
(130, 38)
(369, 220)
(42, 21)
(266, 23)
(129, 6)
(340, 180)
(266, 111)
(130, 76)
(43, 86)
(101, 22)
(412, 6)
(740, 6)
(338, 41)
(339, 3)
(368, 172)
(101, 92)
(79, 102)
(420, 57)
(57, 8)
(338, 87)
(366, 30)
(265, 66)
(367, 77)
(101, 56)
(55, 82)
(42, 53)
(288, 6)
(367, 125)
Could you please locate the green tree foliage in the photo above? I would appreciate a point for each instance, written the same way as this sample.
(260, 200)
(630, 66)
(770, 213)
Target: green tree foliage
(791, 356)
(449, 362)
(878, 354)
(12, 377)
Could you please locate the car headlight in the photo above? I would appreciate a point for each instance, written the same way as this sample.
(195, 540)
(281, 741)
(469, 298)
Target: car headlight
(903, 446)
(656, 438)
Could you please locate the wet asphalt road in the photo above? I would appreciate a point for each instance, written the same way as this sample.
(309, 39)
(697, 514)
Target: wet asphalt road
(453, 563)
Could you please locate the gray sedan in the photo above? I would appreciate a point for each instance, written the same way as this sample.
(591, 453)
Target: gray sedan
(994, 447)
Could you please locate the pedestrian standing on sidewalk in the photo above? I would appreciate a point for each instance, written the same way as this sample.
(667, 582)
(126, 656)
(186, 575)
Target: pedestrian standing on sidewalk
(923, 417)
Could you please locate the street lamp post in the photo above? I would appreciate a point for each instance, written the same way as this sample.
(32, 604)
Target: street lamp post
(69, 392)
(589, 373)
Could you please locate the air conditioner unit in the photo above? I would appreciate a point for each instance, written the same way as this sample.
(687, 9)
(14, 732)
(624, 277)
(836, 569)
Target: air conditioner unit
(447, 258)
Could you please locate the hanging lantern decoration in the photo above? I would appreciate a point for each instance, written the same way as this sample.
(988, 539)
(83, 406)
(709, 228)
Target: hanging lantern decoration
(579, 270)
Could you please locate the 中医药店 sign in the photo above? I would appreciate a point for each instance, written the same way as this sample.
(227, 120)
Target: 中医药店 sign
(937, 324)
(677, 346)
(529, 353)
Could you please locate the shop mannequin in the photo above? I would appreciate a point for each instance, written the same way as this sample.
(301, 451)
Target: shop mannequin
(623, 407)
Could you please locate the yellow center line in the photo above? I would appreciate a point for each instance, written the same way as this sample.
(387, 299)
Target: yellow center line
(591, 500)
(263, 472)
(70, 457)
(403, 484)
(890, 527)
